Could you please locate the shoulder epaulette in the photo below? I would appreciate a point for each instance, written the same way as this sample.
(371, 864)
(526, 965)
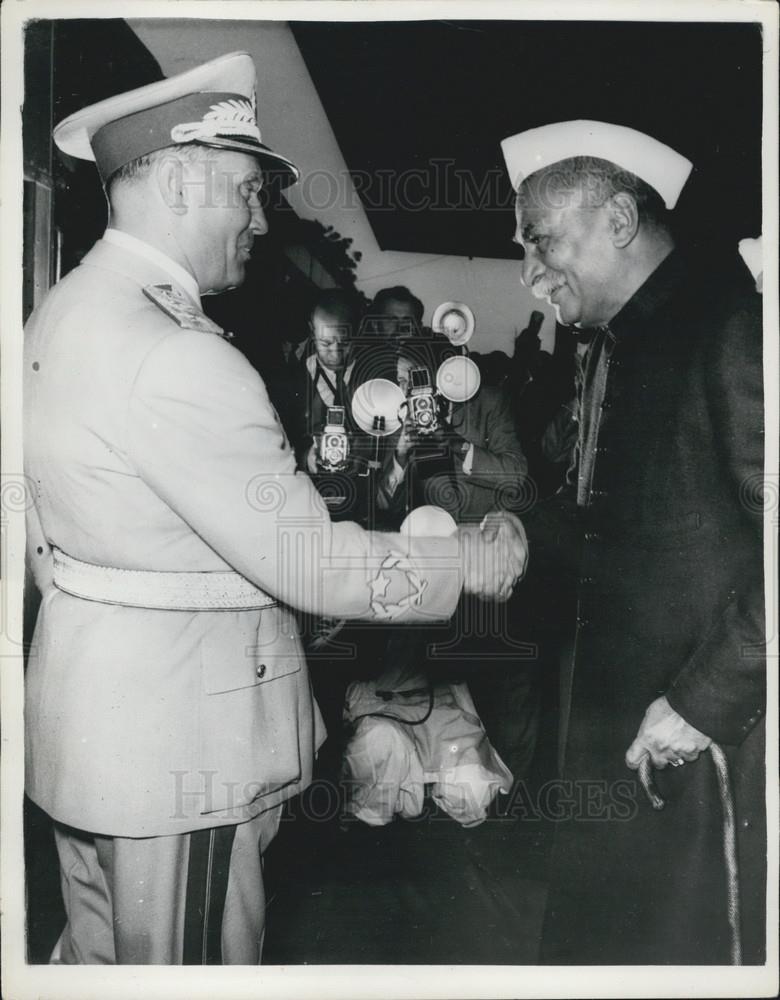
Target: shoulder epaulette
(182, 311)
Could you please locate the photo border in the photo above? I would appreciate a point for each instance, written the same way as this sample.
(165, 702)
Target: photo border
(21, 980)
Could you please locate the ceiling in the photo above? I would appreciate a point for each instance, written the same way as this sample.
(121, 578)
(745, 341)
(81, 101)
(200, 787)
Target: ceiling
(419, 109)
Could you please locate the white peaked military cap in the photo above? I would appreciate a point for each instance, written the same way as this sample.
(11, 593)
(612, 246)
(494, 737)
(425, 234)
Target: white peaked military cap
(213, 105)
(656, 164)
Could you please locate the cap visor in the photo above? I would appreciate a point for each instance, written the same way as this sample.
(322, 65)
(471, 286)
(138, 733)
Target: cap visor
(271, 161)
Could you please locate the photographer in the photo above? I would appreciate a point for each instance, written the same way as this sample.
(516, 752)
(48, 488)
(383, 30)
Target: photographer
(470, 462)
(327, 442)
(465, 458)
(394, 314)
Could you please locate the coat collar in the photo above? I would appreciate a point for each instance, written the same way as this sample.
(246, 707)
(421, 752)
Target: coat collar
(651, 296)
(180, 275)
(144, 270)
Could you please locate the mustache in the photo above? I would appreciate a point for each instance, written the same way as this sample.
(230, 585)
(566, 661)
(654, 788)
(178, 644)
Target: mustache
(545, 284)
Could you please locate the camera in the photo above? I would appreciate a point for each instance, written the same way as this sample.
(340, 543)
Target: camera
(334, 443)
(422, 402)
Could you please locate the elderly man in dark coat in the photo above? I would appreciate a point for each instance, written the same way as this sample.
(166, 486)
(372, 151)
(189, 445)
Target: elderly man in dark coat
(664, 523)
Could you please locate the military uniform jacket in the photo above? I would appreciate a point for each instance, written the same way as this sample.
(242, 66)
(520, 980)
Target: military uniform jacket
(153, 446)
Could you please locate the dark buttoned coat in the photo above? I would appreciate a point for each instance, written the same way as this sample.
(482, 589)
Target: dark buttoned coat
(667, 538)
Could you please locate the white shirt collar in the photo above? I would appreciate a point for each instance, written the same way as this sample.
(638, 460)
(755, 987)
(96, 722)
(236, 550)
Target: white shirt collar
(148, 252)
(313, 362)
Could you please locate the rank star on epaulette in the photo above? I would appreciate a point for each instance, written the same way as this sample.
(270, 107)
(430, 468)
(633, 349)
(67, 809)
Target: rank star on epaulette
(181, 310)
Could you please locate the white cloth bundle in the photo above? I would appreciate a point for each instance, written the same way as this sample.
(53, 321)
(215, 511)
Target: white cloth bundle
(387, 762)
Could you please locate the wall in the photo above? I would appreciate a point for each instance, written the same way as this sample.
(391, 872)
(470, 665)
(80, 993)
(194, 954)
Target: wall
(292, 120)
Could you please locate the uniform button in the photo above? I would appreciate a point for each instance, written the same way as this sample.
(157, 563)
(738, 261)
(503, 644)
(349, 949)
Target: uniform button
(39, 550)
(35, 366)
(582, 622)
(587, 580)
(598, 493)
(592, 536)
(261, 670)
(745, 824)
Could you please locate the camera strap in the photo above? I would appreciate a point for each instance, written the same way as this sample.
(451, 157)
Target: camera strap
(337, 390)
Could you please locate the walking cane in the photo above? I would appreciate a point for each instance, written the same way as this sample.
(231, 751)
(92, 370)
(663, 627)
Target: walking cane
(729, 838)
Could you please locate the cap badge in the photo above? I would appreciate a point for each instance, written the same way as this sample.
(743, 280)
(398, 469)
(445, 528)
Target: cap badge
(233, 117)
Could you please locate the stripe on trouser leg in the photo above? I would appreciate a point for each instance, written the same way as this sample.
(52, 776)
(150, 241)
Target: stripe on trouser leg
(207, 879)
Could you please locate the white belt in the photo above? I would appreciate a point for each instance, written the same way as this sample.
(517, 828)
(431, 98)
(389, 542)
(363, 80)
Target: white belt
(160, 590)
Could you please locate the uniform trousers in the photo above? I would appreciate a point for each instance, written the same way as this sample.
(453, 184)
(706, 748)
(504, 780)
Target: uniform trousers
(190, 899)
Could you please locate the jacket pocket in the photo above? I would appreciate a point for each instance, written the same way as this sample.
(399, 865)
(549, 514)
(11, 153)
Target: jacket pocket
(246, 649)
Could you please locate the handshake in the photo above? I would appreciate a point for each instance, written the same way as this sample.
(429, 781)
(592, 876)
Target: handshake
(495, 555)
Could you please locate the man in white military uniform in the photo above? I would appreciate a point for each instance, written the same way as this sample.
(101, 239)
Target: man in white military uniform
(168, 708)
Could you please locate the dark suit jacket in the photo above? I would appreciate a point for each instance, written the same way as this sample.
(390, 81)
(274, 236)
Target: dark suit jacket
(667, 543)
(435, 475)
(348, 494)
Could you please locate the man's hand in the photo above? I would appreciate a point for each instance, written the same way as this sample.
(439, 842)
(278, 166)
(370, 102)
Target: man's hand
(458, 445)
(666, 737)
(502, 524)
(407, 439)
(312, 455)
(493, 561)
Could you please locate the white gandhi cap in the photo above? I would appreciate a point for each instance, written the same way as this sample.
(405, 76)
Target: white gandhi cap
(656, 164)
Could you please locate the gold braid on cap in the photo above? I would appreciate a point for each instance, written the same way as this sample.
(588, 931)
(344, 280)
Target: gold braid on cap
(233, 117)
